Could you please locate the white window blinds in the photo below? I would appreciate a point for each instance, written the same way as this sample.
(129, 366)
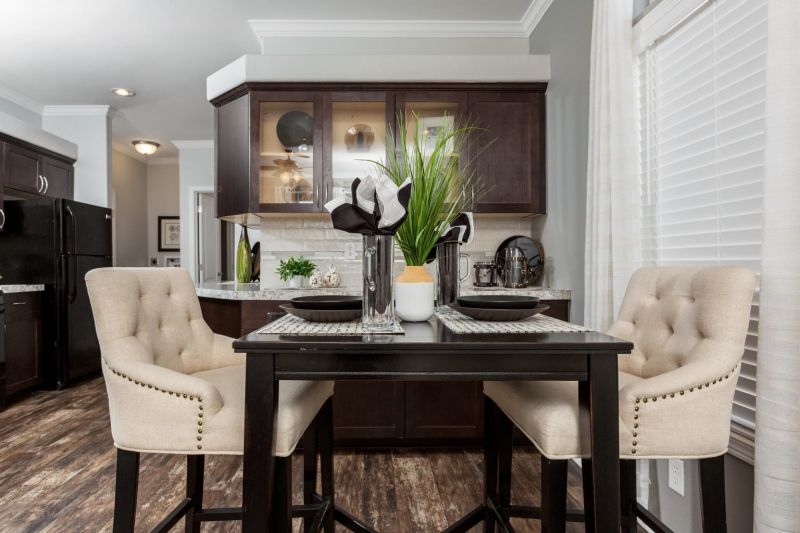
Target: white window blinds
(702, 106)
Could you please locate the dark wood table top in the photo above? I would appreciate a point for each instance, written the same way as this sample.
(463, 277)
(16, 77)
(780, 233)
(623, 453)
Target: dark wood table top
(433, 336)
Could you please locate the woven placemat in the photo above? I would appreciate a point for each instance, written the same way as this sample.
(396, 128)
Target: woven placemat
(459, 323)
(292, 325)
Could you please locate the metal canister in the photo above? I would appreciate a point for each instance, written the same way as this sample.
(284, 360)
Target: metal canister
(485, 274)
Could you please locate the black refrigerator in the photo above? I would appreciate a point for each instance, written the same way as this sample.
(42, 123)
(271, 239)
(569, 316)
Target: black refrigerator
(55, 242)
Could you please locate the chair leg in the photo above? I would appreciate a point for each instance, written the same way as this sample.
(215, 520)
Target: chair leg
(588, 493)
(505, 447)
(490, 461)
(127, 485)
(195, 465)
(712, 489)
(281, 518)
(309, 470)
(627, 478)
(325, 442)
(554, 495)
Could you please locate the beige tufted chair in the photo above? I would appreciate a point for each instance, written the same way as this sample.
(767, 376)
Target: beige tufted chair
(176, 387)
(688, 326)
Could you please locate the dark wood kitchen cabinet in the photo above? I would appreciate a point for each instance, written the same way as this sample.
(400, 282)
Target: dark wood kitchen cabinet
(377, 413)
(260, 172)
(24, 341)
(31, 169)
(510, 156)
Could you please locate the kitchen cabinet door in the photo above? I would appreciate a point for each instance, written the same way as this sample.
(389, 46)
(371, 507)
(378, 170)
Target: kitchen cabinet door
(355, 133)
(233, 157)
(57, 177)
(368, 412)
(24, 341)
(21, 169)
(444, 410)
(509, 153)
(288, 151)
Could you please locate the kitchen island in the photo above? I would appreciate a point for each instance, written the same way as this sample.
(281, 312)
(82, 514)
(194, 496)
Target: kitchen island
(375, 413)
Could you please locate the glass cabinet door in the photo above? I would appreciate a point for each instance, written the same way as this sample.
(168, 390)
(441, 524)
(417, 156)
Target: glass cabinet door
(289, 171)
(357, 132)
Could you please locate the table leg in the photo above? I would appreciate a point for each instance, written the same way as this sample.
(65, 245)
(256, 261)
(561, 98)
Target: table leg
(600, 408)
(261, 405)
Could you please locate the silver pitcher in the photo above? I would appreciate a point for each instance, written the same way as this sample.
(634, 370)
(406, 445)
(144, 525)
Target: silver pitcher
(448, 277)
(378, 304)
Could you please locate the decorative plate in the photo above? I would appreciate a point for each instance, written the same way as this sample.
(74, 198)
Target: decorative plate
(534, 253)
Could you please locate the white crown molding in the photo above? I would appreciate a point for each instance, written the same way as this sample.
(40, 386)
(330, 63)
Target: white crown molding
(387, 28)
(21, 100)
(534, 14)
(77, 110)
(162, 161)
(25, 131)
(193, 145)
(506, 29)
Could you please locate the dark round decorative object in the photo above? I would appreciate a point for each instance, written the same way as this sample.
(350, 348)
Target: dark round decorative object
(295, 128)
(498, 301)
(327, 302)
(534, 253)
(499, 315)
(323, 315)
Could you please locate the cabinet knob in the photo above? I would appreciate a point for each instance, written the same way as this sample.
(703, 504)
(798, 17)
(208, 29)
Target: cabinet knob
(2, 218)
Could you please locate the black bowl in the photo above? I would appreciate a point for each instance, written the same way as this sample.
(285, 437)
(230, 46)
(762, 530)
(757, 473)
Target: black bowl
(323, 315)
(499, 315)
(498, 301)
(329, 301)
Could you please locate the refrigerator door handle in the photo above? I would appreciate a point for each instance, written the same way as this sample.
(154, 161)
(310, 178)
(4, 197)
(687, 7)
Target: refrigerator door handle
(71, 215)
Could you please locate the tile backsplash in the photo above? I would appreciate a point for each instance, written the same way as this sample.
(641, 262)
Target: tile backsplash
(316, 239)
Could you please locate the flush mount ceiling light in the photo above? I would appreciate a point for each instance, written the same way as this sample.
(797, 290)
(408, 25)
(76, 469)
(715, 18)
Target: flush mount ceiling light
(122, 91)
(146, 147)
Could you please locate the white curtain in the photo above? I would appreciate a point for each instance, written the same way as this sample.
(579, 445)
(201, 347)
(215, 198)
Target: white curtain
(777, 468)
(613, 210)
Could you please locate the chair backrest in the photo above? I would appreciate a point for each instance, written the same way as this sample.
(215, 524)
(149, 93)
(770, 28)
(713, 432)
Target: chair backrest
(668, 311)
(151, 315)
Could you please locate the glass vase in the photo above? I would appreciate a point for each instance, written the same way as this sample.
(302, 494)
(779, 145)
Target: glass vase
(244, 258)
(378, 304)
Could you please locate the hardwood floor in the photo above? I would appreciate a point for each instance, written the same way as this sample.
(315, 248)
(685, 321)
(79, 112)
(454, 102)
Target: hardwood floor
(57, 465)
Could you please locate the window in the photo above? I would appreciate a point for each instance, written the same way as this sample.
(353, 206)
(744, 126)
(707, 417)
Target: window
(702, 106)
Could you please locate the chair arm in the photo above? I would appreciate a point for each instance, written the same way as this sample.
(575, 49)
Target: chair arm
(684, 412)
(154, 379)
(222, 352)
(709, 362)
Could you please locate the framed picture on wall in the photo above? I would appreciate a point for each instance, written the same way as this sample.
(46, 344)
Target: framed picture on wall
(169, 234)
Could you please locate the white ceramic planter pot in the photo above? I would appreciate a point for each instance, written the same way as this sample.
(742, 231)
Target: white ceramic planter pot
(295, 282)
(413, 295)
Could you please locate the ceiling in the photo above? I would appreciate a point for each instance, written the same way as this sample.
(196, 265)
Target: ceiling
(72, 52)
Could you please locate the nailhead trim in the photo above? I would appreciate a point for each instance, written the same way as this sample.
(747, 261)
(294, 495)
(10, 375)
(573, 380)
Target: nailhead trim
(671, 395)
(171, 393)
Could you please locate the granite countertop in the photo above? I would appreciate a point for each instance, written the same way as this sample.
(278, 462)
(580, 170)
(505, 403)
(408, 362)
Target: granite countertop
(11, 289)
(230, 290)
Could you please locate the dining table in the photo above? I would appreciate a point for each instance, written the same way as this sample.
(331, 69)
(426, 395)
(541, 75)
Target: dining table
(429, 351)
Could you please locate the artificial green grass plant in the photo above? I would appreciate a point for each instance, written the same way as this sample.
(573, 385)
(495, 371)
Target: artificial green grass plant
(440, 188)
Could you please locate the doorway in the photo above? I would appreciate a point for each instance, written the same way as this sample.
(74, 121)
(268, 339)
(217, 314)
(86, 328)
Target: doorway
(209, 261)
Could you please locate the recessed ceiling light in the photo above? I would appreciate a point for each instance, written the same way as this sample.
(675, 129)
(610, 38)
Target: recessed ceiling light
(146, 147)
(122, 91)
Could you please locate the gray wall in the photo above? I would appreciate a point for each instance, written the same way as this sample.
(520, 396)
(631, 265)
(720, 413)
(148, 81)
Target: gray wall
(129, 202)
(565, 34)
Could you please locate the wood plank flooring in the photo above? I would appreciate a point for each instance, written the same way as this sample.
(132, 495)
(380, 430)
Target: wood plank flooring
(57, 466)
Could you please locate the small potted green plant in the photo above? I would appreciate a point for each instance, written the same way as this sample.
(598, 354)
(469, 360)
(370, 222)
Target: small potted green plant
(294, 270)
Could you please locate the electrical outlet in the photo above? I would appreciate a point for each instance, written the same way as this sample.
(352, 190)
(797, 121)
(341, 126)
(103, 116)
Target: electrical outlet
(154, 261)
(349, 250)
(676, 475)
